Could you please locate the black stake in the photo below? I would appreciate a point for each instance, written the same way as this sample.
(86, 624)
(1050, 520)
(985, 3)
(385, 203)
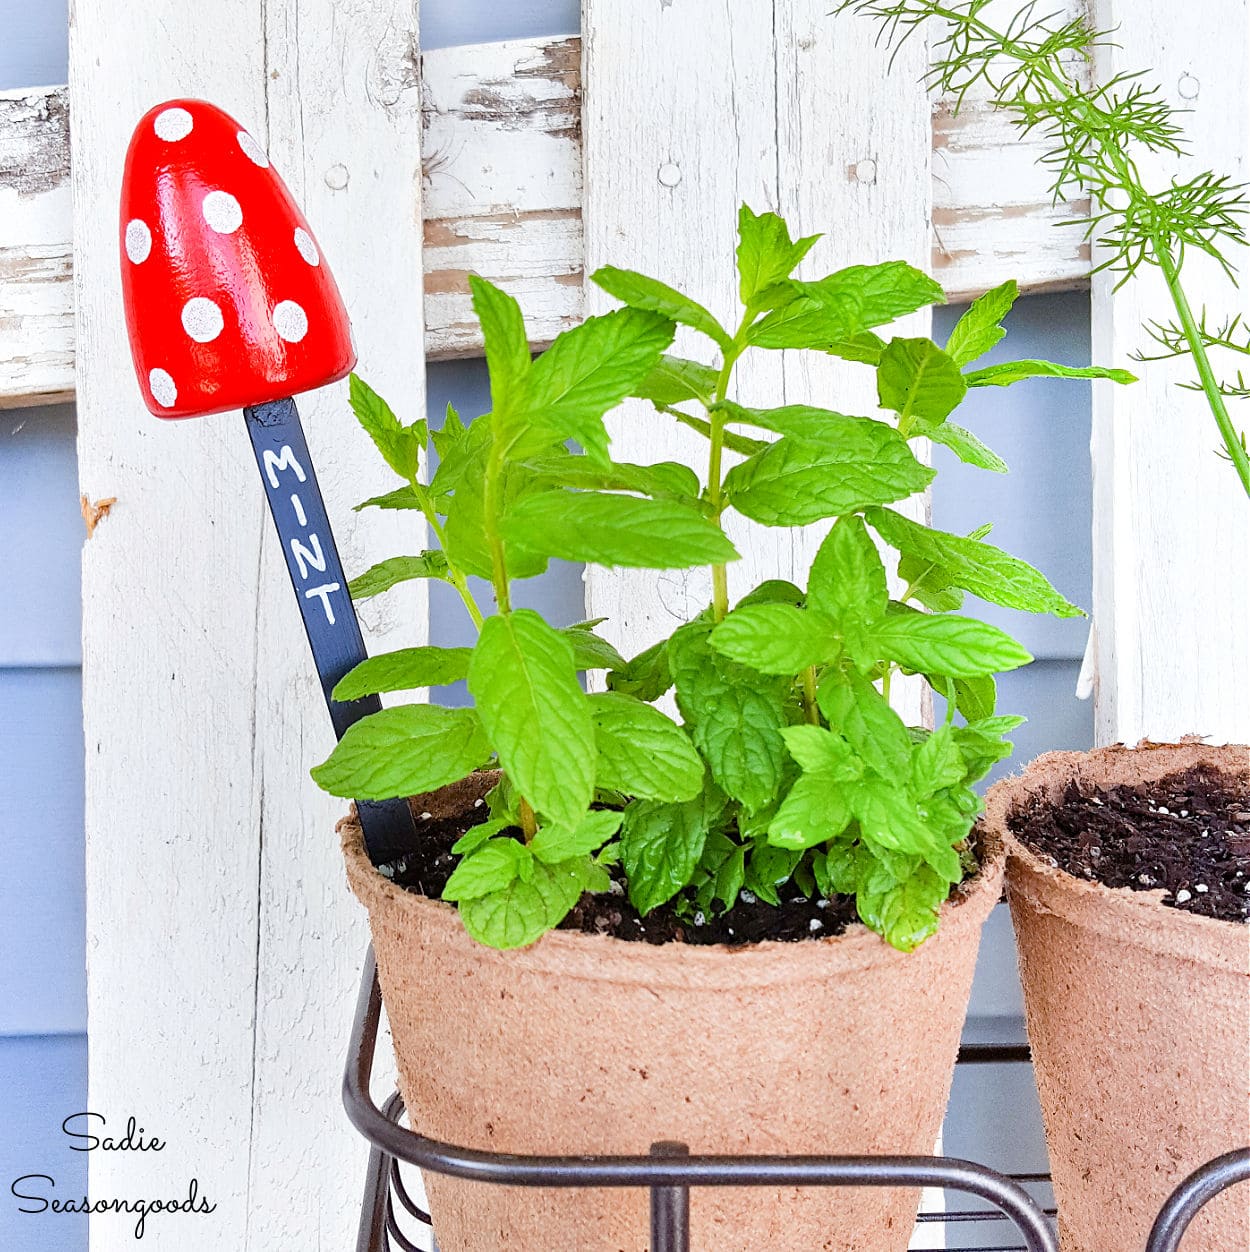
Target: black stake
(312, 559)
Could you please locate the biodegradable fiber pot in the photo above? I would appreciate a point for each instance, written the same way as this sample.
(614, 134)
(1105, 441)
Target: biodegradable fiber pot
(590, 1044)
(1139, 1019)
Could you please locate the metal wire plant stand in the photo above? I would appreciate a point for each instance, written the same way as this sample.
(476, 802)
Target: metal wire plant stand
(390, 1217)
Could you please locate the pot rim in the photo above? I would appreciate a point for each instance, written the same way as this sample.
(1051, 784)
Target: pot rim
(1120, 913)
(606, 958)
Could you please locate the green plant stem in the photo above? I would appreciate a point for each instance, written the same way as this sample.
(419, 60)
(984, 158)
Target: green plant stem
(1206, 374)
(490, 510)
(885, 682)
(1130, 182)
(715, 490)
(810, 707)
(457, 577)
(529, 823)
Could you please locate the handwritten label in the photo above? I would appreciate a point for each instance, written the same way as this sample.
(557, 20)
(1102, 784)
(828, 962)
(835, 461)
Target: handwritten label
(307, 553)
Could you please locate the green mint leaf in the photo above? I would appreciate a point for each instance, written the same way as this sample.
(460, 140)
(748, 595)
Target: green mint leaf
(661, 845)
(773, 591)
(730, 876)
(675, 380)
(735, 443)
(812, 813)
(976, 698)
(917, 380)
(399, 445)
(553, 844)
(403, 671)
(613, 530)
(401, 498)
(775, 638)
(735, 718)
(646, 676)
(981, 751)
(956, 647)
(475, 836)
(535, 713)
(507, 348)
(856, 710)
(888, 818)
(907, 914)
(589, 370)
(766, 253)
(792, 483)
(842, 867)
(802, 421)
(822, 753)
(767, 868)
(395, 570)
(640, 292)
(1016, 371)
(461, 457)
(978, 330)
(865, 348)
(842, 306)
(967, 447)
(590, 651)
(490, 868)
(524, 911)
(641, 752)
(465, 531)
(847, 580)
(936, 763)
(977, 567)
(404, 751)
(665, 480)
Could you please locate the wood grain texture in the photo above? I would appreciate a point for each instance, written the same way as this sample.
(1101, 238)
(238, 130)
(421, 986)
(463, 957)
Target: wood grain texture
(1171, 524)
(502, 164)
(223, 949)
(503, 185)
(36, 266)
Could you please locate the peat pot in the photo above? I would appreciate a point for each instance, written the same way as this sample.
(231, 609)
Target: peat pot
(1139, 1020)
(591, 1044)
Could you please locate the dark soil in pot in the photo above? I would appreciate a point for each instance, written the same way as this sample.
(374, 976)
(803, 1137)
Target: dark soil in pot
(751, 920)
(1187, 834)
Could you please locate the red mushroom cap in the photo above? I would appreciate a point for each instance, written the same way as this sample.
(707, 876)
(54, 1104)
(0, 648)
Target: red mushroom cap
(229, 301)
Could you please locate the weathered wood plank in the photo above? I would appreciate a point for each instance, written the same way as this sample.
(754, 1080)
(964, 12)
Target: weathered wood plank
(503, 185)
(223, 946)
(36, 266)
(1171, 524)
(502, 166)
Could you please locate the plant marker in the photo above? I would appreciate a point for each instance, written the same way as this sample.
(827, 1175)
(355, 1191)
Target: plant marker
(229, 304)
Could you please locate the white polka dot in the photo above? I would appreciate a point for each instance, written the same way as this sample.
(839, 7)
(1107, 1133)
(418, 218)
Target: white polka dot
(202, 319)
(252, 150)
(222, 212)
(162, 387)
(138, 240)
(290, 321)
(173, 124)
(305, 246)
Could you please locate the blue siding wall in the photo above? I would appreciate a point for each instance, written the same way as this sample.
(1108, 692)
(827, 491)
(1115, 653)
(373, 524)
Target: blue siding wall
(43, 1046)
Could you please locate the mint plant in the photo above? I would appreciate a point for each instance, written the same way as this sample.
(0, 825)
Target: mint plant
(1028, 64)
(789, 771)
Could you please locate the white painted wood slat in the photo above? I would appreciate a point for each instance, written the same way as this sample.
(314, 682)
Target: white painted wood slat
(223, 946)
(1171, 524)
